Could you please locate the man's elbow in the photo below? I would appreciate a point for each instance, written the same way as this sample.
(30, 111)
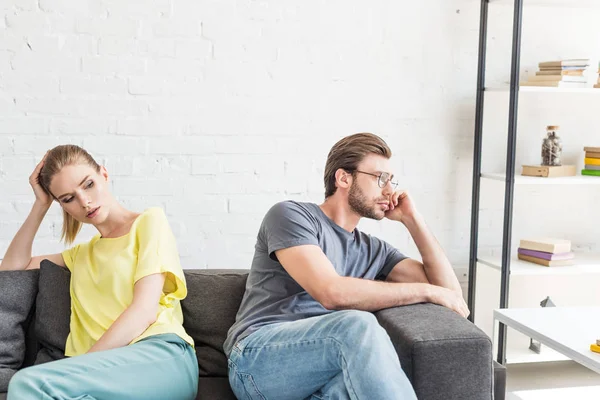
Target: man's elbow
(332, 298)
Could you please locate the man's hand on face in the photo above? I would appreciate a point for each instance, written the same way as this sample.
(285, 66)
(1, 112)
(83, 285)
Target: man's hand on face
(401, 206)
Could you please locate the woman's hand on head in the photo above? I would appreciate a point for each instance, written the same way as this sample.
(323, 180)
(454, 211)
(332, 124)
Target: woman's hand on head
(41, 196)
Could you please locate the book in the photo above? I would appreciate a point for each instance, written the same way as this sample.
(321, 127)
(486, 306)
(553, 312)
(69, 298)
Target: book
(547, 263)
(562, 72)
(547, 171)
(547, 245)
(555, 84)
(592, 149)
(590, 172)
(546, 256)
(558, 68)
(581, 62)
(592, 167)
(556, 78)
(592, 161)
(591, 154)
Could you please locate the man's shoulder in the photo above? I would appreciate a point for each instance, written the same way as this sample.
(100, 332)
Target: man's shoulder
(292, 207)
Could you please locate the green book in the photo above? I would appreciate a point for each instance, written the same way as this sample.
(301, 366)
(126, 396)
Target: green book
(590, 172)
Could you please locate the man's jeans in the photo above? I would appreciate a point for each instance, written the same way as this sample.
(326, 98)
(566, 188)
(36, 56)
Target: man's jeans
(341, 355)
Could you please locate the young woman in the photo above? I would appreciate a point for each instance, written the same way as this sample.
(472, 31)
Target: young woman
(126, 336)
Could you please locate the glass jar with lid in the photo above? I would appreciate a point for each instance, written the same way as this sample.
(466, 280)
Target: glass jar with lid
(552, 147)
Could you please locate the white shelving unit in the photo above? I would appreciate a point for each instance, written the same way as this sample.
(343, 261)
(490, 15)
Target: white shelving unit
(544, 89)
(532, 180)
(527, 283)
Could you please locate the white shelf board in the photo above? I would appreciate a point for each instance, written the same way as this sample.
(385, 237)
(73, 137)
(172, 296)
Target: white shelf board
(534, 180)
(551, 3)
(546, 89)
(579, 393)
(523, 355)
(583, 264)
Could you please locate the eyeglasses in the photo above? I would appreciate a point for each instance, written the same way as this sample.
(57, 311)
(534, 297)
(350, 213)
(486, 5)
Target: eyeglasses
(382, 179)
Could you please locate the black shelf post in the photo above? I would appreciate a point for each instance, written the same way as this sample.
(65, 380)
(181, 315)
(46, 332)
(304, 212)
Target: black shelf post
(510, 164)
(483, 19)
(510, 171)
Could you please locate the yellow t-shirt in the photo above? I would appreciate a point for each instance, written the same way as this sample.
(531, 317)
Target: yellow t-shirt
(104, 271)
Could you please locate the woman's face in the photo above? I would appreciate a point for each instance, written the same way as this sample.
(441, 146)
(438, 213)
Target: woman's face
(82, 192)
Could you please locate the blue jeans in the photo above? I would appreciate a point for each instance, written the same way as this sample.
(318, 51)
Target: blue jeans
(341, 355)
(155, 368)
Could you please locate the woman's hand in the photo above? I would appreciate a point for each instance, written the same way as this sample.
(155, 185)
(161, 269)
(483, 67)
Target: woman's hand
(41, 196)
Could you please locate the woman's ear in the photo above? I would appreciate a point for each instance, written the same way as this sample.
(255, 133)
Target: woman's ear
(104, 172)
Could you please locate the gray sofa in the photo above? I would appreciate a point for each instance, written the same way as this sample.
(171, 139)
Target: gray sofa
(445, 356)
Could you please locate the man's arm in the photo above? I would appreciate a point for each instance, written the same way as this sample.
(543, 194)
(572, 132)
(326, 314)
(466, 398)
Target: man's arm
(311, 268)
(436, 266)
(136, 318)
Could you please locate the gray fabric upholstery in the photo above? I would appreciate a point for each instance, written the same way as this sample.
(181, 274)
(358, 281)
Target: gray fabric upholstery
(17, 296)
(209, 310)
(444, 356)
(53, 311)
(214, 389)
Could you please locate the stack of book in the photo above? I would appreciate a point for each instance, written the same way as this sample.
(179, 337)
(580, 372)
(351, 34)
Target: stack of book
(561, 73)
(546, 251)
(591, 161)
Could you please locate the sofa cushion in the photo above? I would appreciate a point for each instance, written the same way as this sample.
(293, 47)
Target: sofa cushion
(214, 389)
(209, 309)
(53, 311)
(17, 297)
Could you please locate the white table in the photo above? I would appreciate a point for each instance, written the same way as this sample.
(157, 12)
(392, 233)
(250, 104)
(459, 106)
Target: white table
(568, 330)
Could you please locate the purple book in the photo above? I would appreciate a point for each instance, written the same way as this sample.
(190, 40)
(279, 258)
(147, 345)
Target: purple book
(546, 256)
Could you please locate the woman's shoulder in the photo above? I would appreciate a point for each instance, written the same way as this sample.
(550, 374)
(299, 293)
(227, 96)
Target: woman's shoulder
(152, 215)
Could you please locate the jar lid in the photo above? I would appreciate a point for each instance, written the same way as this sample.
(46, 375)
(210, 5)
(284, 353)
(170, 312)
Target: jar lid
(552, 127)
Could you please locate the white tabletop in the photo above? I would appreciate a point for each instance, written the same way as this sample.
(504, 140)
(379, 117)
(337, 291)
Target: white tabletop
(568, 330)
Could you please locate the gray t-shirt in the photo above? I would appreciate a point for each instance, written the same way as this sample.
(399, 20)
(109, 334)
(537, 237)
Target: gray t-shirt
(272, 295)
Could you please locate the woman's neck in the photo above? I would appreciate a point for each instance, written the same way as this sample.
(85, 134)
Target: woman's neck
(117, 223)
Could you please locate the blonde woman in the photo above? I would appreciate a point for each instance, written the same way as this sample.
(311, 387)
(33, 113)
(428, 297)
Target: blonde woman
(126, 337)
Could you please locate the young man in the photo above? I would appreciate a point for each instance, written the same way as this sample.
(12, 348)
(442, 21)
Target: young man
(304, 328)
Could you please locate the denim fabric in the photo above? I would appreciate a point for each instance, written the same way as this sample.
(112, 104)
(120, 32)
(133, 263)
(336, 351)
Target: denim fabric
(342, 355)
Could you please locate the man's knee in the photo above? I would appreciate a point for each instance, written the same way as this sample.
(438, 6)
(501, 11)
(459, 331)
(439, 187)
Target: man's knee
(362, 328)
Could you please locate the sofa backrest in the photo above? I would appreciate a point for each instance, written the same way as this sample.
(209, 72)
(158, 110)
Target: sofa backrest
(214, 296)
(209, 309)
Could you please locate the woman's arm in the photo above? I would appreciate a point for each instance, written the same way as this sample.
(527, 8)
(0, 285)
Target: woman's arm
(18, 255)
(137, 317)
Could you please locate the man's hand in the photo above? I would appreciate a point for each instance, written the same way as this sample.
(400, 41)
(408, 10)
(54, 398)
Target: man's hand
(450, 299)
(401, 206)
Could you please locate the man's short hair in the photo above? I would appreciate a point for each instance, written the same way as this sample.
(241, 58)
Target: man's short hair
(348, 153)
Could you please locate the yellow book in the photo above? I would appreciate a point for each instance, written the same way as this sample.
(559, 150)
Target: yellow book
(592, 161)
(595, 348)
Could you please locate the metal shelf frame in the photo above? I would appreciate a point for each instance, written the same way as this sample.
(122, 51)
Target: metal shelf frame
(510, 164)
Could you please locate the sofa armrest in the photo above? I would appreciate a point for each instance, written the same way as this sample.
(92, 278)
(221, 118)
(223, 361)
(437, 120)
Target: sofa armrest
(444, 355)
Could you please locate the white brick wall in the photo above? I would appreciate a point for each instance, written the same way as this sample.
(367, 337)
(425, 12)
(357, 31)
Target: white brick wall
(215, 110)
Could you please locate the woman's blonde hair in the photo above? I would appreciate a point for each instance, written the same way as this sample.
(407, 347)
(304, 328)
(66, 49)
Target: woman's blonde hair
(56, 159)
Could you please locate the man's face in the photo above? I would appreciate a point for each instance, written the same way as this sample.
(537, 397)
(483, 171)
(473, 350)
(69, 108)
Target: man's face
(366, 197)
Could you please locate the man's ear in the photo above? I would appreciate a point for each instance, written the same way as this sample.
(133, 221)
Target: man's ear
(343, 179)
